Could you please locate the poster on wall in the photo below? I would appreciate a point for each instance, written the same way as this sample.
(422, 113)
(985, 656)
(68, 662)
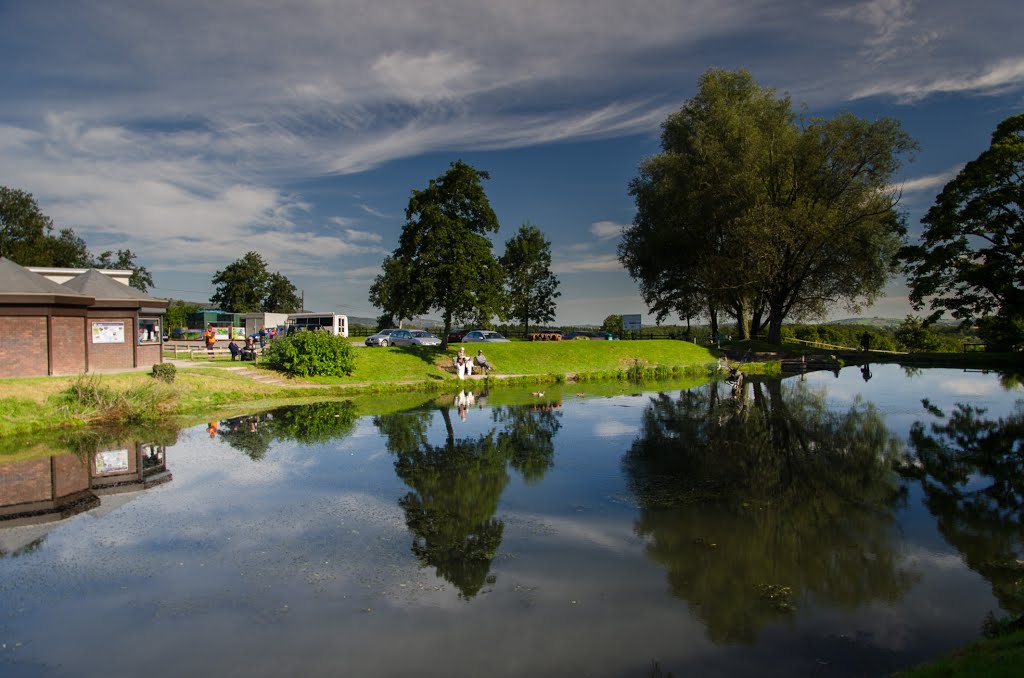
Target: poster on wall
(108, 333)
(111, 461)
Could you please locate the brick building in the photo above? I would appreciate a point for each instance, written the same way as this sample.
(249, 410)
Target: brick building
(88, 323)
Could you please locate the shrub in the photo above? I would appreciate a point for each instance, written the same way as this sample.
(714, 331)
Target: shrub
(311, 354)
(88, 398)
(165, 372)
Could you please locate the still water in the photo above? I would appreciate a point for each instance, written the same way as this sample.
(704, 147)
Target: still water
(826, 525)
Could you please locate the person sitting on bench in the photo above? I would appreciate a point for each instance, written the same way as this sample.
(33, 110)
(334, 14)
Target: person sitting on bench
(249, 352)
(463, 364)
(233, 347)
(482, 363)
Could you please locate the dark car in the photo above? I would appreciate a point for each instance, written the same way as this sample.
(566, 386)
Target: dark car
(455, 336)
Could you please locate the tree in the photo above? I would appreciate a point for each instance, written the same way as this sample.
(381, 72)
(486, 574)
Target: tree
(443, 260)
(241, 285)
(530, 286)
(281, 295)
(23, 228)
(140, 278)
(245, 286)
(177, 313)
(752, 211)
(613, 324)
(26, 238)
(971, 258)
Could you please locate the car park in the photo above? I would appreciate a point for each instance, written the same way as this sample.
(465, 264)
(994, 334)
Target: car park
(483, 336)
(382, 338)
(413, 338)
(455, 336)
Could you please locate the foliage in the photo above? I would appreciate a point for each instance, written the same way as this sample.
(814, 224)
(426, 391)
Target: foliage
(750, 211)
(281, 295)
(140, 278)
(178, 312)
(165, 372)
(27, 238)
(530, 286)
(914, 336)
(443, 260)
(89, 398)
(246, 286)
(313, 353)
(613, 324)
(970, 262)
(738, 486)
(969, 467)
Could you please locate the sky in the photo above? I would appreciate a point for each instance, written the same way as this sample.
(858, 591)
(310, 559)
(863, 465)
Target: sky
(192, 132)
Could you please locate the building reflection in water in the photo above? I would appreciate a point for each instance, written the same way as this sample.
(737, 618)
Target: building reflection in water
(50, 489)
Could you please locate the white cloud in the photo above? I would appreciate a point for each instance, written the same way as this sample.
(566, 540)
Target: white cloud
(930, 182)
(437, 75)
(607, 262)
(603, 230)
(362, 236)
(992, 79)
(372, 211)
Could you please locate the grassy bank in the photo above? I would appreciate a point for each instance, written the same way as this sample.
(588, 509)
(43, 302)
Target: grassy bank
(1001, 657)
(46, 403)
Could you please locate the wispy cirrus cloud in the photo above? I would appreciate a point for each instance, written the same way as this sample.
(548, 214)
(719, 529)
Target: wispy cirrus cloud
(930, 182)
(992, 79)
(604, 230)
(607, 262)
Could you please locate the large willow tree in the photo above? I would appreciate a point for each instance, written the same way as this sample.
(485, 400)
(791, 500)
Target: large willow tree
(752, 211)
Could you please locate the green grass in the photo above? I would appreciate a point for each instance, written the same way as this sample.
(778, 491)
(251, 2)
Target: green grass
(401, 364)
(1001, 657)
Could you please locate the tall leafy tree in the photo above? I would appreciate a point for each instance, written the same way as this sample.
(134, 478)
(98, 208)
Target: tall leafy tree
(241, 286)
(125, 259)
(530, 286)
(23, 228)
(753, 211)
(281, 295)
(970, 261)
(444, 259)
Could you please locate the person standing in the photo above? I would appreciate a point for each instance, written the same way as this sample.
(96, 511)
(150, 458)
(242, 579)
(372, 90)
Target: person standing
(865, 342)
(210, 336)
(263, 336)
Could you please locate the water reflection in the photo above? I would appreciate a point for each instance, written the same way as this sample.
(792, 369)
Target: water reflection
(971, 469)
(760, 501)
(42, 490)
(456, 484)
(311, 424)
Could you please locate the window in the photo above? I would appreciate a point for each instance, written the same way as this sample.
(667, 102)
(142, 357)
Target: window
(149, 330)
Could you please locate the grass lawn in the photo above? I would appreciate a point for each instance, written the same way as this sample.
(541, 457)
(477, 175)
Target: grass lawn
(1001, 657)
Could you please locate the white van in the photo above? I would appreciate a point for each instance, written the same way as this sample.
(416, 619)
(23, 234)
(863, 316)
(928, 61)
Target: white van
(331, 322)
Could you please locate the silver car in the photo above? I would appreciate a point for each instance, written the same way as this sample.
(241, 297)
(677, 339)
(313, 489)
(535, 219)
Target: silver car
(382, 338)
(413, 338)
(483, 335)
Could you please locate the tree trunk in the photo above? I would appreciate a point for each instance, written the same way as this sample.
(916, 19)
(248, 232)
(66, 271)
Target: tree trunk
(713, 317)
(774, 328)
(742, 320)
(447, 330)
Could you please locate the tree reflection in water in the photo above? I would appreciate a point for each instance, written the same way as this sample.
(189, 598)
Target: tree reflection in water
(312, 424)
(971, 469)
(456, 485)
(760, 501)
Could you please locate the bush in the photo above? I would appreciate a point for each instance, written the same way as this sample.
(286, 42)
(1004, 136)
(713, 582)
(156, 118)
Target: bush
(311, 354)
(165, 372)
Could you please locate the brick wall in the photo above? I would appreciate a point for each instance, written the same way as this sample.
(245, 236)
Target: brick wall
(67, 335)
(23, 482)
(70, 475)
(150, 354)
(111, 356)
(23, 350)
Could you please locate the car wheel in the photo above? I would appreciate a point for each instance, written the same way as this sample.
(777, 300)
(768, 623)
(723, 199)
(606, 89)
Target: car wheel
(383, 342)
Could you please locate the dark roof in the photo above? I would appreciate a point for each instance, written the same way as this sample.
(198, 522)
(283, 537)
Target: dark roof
(108, 292)
(18, 285)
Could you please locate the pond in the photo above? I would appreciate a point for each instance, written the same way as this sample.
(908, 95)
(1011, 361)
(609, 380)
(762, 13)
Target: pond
(826, 525)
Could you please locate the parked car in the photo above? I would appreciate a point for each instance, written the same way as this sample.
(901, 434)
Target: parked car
(483, 335)
(382, 338)
(413, 338)
(455, 336)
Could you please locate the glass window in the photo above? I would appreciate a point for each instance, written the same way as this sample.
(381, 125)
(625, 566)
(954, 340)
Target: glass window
(149, 330)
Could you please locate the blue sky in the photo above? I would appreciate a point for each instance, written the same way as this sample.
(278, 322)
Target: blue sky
(194, 131)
